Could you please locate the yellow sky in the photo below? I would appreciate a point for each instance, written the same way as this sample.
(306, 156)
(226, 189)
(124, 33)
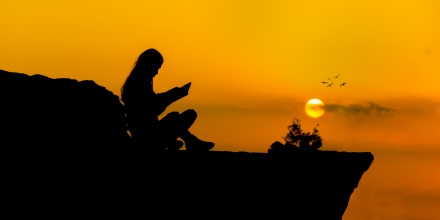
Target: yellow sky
(253, 64)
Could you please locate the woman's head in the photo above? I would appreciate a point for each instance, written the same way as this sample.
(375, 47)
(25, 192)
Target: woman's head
(149, 60)
(145, 68)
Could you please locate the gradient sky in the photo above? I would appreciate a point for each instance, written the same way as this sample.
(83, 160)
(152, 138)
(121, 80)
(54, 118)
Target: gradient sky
(253, 64)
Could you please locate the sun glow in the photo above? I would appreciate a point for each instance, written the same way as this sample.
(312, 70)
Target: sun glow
(314, 108)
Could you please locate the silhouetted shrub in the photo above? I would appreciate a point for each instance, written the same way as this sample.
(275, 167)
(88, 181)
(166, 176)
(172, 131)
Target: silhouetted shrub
(296, 139)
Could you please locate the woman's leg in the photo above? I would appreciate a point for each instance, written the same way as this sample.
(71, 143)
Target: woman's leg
(186, 119)
(192, 143)
(177, 125)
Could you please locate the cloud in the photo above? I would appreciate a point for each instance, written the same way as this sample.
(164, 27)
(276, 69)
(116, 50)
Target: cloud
(370, 109)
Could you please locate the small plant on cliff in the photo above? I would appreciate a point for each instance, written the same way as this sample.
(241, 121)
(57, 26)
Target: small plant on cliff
(296, 139)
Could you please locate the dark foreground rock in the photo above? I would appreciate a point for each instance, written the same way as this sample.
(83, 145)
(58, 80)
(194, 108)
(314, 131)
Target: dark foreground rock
(84, 176)
(58, 112)
(132, 184)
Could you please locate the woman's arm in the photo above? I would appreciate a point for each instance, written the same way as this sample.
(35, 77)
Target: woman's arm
(163, 100)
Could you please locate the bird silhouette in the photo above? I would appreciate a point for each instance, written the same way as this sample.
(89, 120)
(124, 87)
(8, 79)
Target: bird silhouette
(343, 84)
(324, 82)
(329, 79)
(336, 76)
(329, 84)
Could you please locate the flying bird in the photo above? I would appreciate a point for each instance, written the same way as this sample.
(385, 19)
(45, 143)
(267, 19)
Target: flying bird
(324, 82)
(336, 76)
(343, 84)
(329, 79)
(329, 84)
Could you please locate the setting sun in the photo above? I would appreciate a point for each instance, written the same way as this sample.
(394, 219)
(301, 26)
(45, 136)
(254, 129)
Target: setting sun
(314, 108)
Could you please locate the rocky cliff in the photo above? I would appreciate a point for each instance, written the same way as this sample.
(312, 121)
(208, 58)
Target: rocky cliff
(66, 153)
(38, 110)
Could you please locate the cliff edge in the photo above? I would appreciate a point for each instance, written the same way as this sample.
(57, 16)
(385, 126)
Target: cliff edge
(66, 153)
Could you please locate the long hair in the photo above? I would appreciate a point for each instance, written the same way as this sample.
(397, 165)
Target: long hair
(141, 76)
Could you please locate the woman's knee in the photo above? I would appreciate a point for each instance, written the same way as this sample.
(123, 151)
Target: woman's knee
(170, 117)
(187, 118)
(189, 114)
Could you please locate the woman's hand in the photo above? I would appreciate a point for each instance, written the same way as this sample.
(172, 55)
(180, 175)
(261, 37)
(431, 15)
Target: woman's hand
(185, 88)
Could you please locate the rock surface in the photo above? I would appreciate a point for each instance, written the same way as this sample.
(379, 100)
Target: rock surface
(38, 110)
(65, 153)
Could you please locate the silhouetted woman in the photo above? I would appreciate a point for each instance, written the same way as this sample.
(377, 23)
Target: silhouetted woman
(143, 107)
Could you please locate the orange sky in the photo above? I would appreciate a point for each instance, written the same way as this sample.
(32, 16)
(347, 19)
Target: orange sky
(253, 64)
